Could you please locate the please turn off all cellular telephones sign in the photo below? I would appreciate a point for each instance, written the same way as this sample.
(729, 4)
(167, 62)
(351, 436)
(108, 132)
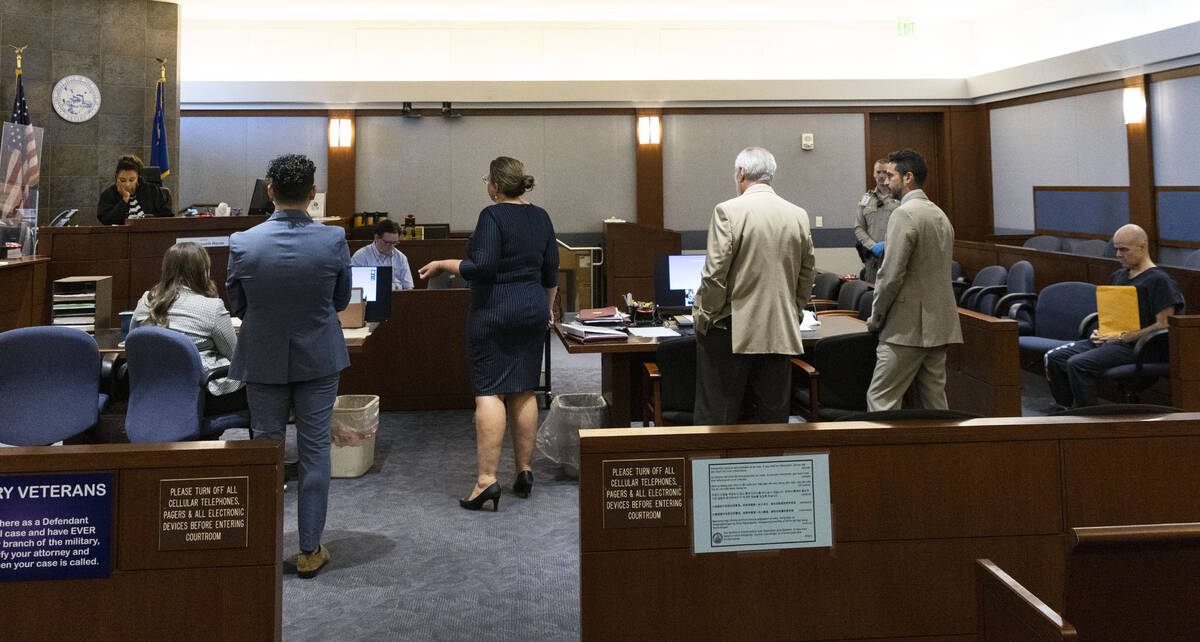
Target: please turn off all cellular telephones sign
(644, 493)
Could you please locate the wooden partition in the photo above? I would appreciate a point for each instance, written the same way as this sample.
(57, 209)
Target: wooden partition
(132, 253)
(23, 290)
(983, 374)
(629, 251)
(913, 506)
(417, 359)
(159, 588)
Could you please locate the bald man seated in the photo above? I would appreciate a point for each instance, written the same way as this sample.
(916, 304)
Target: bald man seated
(1072, 369)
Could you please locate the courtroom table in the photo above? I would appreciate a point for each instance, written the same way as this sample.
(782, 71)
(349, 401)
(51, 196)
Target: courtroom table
(132, 253)
(23, 292)
(110, 341)
(417, 359)
(621, 363)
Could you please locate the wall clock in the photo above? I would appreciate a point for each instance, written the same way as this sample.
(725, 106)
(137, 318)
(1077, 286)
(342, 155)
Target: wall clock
(76, 98)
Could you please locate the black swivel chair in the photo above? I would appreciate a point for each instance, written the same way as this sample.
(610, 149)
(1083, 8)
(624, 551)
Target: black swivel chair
(670, 383)
(832, 379)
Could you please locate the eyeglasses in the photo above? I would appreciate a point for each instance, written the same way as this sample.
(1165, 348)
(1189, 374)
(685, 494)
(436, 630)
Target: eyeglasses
(386, 242)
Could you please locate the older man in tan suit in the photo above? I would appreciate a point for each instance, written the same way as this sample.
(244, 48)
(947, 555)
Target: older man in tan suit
(757, 278)
(914, 309)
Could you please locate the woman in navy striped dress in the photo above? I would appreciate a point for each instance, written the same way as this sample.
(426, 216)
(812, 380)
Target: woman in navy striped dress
(512, 266)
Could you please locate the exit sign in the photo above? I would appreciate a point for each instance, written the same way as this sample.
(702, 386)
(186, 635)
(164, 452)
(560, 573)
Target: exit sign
(905, 27)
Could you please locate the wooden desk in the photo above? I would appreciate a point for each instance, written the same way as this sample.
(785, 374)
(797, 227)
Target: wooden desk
(914, 504)
(110, 341)
(621, 363)
(132, 253)
(416, 360)
(24, 288)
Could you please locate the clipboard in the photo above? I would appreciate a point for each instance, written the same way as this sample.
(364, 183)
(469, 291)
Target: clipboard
(1118, 308)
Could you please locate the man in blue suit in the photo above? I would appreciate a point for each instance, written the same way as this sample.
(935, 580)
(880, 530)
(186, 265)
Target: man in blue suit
(288, 278)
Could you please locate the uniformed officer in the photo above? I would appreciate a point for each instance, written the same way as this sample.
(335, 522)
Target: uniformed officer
(870, 226)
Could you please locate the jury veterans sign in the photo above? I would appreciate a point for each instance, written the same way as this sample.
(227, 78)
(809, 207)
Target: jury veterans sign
(55, 526)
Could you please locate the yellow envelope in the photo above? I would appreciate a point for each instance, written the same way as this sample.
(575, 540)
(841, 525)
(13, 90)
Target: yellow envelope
(1118, 308)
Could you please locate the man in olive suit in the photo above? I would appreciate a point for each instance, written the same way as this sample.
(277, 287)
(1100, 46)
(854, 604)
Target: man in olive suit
(757, 277)
(914, 310)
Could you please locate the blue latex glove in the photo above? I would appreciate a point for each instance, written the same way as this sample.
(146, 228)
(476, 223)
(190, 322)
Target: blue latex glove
(877, 249)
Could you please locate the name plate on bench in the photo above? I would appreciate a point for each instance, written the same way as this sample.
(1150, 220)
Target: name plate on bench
(644, 493)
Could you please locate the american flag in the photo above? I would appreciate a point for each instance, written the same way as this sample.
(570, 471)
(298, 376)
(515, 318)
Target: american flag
(20, 156)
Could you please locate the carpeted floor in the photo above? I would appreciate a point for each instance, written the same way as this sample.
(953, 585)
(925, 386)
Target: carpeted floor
(409, 563)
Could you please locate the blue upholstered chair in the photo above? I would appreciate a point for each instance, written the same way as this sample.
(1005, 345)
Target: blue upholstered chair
(1018, 287)
(166, 390)
(985, 290)
(1044, 242)
(1062, 313)
(49, 385)
(1192, 260)
(1089, 247)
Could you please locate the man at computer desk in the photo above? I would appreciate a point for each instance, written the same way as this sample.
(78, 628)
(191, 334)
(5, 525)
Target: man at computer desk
(131, 197)
(383, 252)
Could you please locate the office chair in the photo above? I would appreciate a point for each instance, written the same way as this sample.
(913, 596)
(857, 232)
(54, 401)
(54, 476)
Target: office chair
(1106, 409)
(909, 414)
(1044, 242)
(866, 302)
(825, 290)
(670, 383)
(1151, 362)
(1019, 282)
(1061, 313)
(166, 390)
(831, 380)
(957, 280)
(1089, 247)
(1192, 260)
(847, 299)
(985, 290)
(49, 385)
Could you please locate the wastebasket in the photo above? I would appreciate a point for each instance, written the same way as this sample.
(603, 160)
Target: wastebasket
(558, 436)
(355, 420)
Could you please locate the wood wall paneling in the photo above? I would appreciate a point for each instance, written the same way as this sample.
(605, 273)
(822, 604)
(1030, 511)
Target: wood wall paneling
(1142, 203)
(649, 178)
(340, 176)
(919, 131)
(970, 162)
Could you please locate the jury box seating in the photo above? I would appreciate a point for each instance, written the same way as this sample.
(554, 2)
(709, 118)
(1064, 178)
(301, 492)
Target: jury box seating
(1134, 582)
(49, 385)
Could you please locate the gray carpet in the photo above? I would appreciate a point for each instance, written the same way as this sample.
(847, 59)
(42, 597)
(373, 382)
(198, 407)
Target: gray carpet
(409, 563)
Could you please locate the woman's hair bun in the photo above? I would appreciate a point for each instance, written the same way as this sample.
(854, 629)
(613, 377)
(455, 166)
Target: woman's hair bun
(527, 182)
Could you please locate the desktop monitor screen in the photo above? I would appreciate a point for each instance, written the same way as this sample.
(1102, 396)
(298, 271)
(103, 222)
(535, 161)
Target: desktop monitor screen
(677, 279)
(376, 284)
(260, 202)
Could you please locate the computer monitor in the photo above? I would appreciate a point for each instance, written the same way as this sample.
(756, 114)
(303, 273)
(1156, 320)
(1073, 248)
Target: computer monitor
(376, 284)
(677, 279)
(260, 203)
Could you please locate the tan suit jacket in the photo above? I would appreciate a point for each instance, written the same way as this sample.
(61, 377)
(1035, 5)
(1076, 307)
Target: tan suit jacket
(759, 269)
(914, 301)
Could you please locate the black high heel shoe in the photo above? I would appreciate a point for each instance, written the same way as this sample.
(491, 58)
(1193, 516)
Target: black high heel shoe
(524, 483)
(490, 493)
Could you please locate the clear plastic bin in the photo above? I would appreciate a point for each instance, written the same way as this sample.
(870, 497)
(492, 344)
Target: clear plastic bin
(558, 436)
(355, 421)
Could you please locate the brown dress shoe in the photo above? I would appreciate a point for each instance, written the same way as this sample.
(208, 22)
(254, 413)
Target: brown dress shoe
(307, 564)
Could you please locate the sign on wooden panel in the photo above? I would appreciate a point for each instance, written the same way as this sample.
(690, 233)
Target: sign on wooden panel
(644, 493)
(56, 526)
(202, 513)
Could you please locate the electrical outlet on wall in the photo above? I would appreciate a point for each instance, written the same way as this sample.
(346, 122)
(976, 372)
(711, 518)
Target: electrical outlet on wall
(820, 221)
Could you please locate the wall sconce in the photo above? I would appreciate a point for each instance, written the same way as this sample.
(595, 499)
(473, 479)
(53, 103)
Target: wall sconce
(341, 132)
(1135, 105)
(649, 129)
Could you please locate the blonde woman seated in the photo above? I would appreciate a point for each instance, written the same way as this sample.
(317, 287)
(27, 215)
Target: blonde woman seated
(185, 300)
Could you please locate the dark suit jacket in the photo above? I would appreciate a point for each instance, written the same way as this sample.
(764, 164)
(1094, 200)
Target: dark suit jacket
(113, 210)
(287, 279)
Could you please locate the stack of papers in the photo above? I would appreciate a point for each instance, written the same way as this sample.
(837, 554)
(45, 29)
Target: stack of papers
(810, 322)
(586, 334)
(653, 331)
